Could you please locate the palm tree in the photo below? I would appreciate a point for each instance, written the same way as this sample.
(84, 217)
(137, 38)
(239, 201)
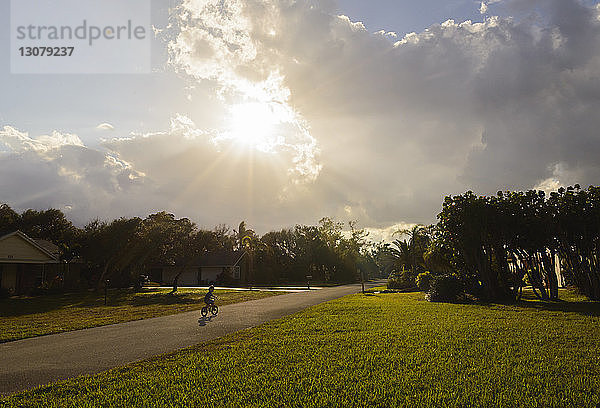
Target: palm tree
(396, 257)
(245, 237)
(415, 246)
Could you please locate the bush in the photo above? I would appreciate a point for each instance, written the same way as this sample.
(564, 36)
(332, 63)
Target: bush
(401, 280)
(394, 283)
(445, 288)
(424, 281)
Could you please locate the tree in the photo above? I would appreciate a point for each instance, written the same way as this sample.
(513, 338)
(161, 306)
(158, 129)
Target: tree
(437, 257)
(225, 240)
(418, 241)
(165, 240)
(405, 259)
(577, 235)
(494, 242)
(280, 256)
(326, 252)
(9, 220)
(468, 225)
(51, 225)
(109, 247)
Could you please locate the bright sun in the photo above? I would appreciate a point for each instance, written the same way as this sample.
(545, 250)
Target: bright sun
(256, 124)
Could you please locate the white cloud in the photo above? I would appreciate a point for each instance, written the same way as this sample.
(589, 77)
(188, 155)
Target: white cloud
(19, 142)
(483, 8)
(389, 234)
(105, 126)
(563, 175)
(548, 185)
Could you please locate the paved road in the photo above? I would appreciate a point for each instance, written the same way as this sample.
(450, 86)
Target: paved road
(32, 362)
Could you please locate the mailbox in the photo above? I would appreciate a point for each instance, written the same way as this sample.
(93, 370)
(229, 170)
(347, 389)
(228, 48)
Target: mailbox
(308, 278)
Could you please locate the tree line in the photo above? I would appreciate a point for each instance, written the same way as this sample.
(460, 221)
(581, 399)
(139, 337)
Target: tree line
(487, 246)
(123, 249)
(492, 246)
(498, 242)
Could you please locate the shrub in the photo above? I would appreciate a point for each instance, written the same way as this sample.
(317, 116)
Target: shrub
(401, 280)
(445, 288)
(394, 283)
(424, 281)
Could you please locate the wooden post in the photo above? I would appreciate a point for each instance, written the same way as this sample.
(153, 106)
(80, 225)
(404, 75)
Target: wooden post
(362, 281)
(105, 290)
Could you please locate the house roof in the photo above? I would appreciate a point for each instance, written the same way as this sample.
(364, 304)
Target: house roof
(44, 246)
(222, 258)
(48, 246)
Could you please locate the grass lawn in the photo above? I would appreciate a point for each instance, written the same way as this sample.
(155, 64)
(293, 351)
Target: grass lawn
(22, 317)
(380, 350)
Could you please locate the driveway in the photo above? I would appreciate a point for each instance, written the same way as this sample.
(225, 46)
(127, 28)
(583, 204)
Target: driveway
(32, 362)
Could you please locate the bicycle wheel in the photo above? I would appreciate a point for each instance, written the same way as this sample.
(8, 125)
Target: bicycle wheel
(214, 310)
(204, 311)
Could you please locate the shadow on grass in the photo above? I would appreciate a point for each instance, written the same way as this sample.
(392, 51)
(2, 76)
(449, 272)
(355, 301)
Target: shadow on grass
(586, 308)
(530, 301)
(23, 305)
(570, 302)
(165, 299)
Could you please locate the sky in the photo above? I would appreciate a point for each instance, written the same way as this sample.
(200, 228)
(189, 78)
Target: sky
(280, 112)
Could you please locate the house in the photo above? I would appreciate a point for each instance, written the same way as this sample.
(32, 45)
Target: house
(25, 262)
(224, 267)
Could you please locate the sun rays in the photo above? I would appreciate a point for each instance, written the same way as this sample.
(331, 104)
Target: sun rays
(257, 125)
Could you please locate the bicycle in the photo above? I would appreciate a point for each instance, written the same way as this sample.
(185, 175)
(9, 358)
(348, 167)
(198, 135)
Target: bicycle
(212, 308)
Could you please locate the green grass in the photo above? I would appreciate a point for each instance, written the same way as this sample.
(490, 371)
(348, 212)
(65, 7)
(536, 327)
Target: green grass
(23, 317)
(380, 350)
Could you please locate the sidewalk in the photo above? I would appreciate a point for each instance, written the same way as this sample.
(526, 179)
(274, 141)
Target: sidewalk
(291, 289)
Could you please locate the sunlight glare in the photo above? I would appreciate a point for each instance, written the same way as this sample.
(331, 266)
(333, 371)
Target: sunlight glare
(255, 124)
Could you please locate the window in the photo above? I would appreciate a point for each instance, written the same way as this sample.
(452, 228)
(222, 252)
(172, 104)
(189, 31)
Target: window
(236, 272)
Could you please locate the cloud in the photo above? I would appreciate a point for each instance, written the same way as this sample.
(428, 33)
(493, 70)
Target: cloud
(218, 41)
(19, 142)
(105, 126)
(213, 179)
(59, 171)
(483, 8)
(388, 234)
(473, 105)
(183, 169)
(375, 128)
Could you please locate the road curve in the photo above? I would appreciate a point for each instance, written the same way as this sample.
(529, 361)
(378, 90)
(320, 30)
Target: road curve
(29, 363)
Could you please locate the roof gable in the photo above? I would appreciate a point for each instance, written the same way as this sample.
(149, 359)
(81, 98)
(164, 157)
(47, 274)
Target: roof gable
(18, 247)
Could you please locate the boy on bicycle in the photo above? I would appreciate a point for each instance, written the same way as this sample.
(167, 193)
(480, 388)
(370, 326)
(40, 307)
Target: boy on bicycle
(210, 298)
